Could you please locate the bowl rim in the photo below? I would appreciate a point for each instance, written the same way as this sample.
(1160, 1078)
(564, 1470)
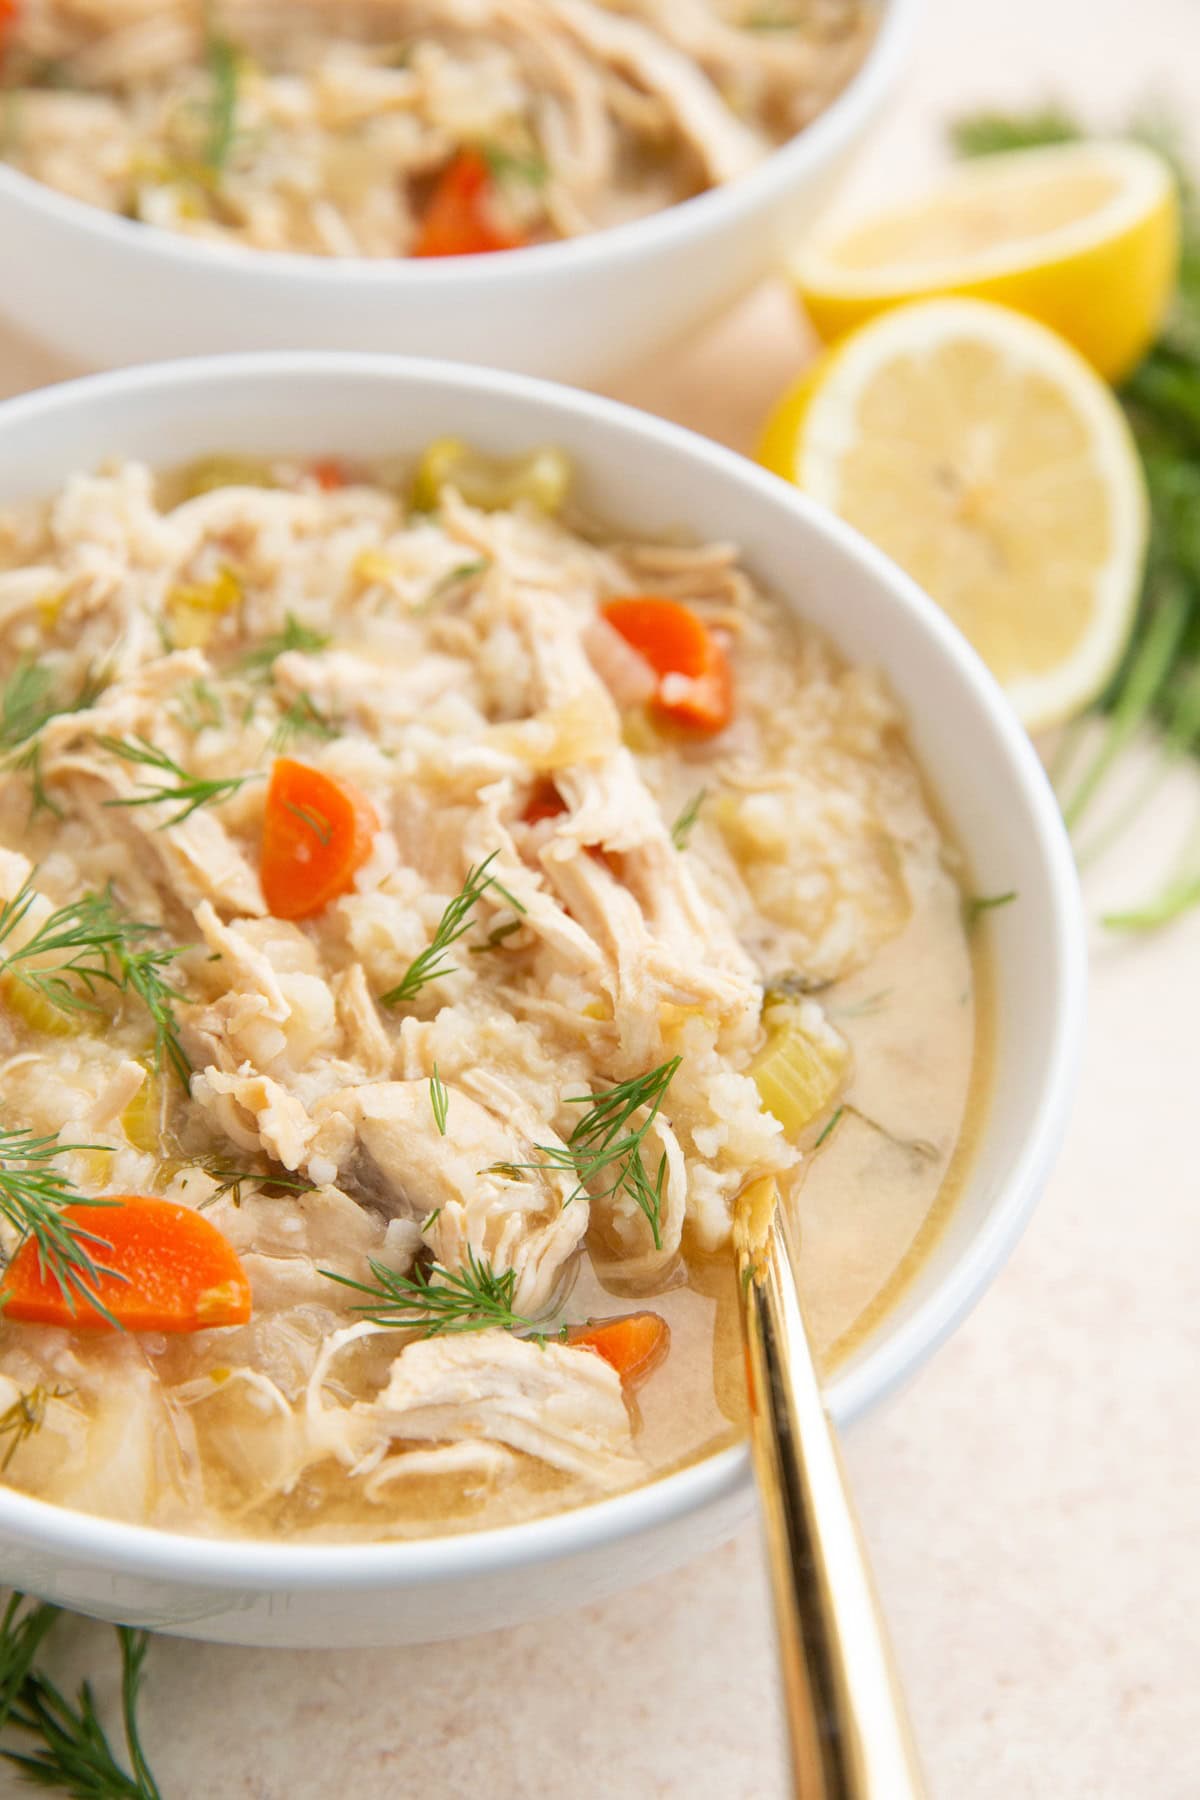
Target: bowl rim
(260, 1565)
(810, 149)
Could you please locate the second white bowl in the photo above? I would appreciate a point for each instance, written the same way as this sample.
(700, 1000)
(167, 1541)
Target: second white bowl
(104, 290)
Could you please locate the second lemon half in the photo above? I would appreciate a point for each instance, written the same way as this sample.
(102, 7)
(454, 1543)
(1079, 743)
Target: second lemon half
(1082, 236)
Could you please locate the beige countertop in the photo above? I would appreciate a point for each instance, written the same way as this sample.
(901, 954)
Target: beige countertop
(1031, 1499)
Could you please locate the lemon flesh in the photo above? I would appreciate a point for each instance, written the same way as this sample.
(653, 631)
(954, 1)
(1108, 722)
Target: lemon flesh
(985, 457)
(1083, 237)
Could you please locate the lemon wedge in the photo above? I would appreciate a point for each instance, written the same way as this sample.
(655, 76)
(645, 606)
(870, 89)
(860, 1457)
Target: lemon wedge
(985, 456)
(1084, 237)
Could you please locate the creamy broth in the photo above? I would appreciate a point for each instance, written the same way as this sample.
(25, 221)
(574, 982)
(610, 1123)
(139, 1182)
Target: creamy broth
(687, 872)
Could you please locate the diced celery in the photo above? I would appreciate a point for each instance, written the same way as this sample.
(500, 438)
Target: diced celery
(543, 477)
(801, 1067)
(194, 608)
(638, 732)
(49, 606)
(34, 1010)
(374, 566)
(142, 1119)
(211, 472)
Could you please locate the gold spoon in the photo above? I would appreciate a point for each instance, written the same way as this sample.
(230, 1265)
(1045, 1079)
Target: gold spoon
(847, 1723)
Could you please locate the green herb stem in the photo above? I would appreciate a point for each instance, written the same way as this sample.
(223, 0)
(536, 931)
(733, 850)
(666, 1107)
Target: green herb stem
(1140, 689)
(186, 792)
(436, 1301)
(455, 922)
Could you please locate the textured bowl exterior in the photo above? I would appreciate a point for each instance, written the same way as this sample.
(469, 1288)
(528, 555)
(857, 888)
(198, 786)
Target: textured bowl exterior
(104, 291)
(644, 476)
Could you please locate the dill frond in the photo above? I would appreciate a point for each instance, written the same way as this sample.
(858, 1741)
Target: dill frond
(294, 636)
(608, 1141)
(439, 1100)
(436, 1301)
(94, 947)
(455, 922)
(187, 792)
(73, 1754)
(685, 824)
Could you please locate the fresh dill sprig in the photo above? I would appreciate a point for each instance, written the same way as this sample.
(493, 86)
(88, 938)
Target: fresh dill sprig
(1158, 679)
(79, 935)
(134, 1647)
(21, 1632)
(138, 970)
(453, 578)
(496, 937)
(685, 824)
(975, 905)
(302, 718)
(25, 703)
(830, 1126)
(29, 762)
(187, 792)
(199, 706)
(439, 1100)
(25, 1416)
(28, 700)
(986, 133)
(609, 1137)
(33, 1195)
(865, 1008)
(221, 61)
(95, 947)
(294, 636)
(438, 1301)
(770, 18)
(316, 822)
(1176, 898)
(232, 1181)
(527, 167)
(74, 1755)
(455, 922)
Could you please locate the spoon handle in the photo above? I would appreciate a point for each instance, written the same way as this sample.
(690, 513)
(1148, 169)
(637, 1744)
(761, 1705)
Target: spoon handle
(847, 1722)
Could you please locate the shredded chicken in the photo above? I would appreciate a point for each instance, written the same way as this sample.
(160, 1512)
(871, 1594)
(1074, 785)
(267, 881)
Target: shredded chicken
(562, 1406)
(479, 1176)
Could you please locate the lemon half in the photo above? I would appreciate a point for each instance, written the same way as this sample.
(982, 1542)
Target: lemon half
(1084, 237)
(983, 454)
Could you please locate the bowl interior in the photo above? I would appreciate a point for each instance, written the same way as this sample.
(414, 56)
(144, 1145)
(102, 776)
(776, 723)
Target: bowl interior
(644, 476)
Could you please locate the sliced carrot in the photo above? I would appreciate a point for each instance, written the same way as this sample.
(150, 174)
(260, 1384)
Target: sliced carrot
(328, 473)
(544, 802)
(317, 834)
(171, 1270)
(8, 17)
(695, 684)
(460, 218)
(634, 1345)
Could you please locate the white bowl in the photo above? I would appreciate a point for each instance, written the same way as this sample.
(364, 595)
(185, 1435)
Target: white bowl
(104, 290)
(648, 477)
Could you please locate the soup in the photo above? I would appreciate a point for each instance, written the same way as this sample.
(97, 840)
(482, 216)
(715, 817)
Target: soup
(398, 128)
(423, 915)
